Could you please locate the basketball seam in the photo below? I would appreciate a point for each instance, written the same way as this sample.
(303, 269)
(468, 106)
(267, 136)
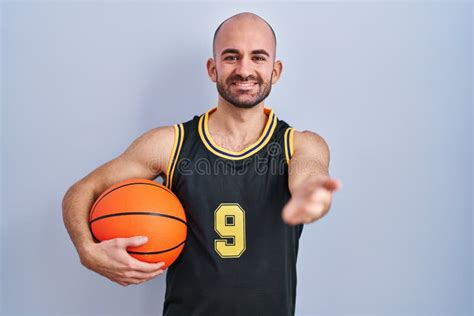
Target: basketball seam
(124, 185)
(156, 252)
(138, 213)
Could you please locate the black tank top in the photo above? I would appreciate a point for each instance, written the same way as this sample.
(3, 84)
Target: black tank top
(239, 257)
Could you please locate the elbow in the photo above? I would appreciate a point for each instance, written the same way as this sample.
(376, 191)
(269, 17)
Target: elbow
(73, 192)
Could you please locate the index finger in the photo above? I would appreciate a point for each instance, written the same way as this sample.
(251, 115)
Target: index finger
(145, 266)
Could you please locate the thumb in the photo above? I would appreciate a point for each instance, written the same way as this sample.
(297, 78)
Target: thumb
(134, 241)
(288, 212)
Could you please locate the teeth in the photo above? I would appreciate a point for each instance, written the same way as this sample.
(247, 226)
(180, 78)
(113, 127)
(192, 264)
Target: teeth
(244, 84)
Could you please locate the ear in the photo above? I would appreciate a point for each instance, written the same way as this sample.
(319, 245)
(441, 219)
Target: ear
(211, 69)
(277, 69)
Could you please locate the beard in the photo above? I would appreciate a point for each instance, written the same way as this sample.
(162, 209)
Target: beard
(243, 98)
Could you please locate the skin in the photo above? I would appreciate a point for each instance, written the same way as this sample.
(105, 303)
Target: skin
(146, 158)
(238, 121)
(244, 51)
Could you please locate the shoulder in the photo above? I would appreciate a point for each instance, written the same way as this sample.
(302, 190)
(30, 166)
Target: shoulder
(156, 136)
(153, 147)
(308, 142)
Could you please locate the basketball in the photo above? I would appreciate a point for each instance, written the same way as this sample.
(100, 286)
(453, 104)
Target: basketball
(141, 207)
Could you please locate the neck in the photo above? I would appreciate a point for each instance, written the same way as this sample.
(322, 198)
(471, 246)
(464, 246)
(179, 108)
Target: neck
(239, 124)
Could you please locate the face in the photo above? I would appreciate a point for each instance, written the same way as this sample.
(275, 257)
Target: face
(244, 68)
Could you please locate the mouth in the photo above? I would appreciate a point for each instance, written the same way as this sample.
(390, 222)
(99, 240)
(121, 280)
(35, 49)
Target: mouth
(244, 84)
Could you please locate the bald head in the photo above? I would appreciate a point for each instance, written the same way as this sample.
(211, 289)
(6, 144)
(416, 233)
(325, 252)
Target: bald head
(244, 22)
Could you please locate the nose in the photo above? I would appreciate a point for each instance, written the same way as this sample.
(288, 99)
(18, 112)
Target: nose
(244, 67)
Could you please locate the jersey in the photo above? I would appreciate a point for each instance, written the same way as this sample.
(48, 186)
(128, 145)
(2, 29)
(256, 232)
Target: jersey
(239, 256)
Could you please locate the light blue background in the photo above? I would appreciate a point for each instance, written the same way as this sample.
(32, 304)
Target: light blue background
(388, 85)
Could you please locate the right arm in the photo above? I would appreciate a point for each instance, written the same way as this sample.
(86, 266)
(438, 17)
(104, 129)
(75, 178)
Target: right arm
(147, 157)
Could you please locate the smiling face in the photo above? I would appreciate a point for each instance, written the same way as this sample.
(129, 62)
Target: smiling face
(244, 67)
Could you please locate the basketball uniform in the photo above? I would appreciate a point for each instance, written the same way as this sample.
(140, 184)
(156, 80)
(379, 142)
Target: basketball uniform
(239, 257)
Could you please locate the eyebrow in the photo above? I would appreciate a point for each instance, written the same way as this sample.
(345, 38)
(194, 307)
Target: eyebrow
(236, 51)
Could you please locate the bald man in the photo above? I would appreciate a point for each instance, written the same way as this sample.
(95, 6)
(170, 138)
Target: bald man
(247, 180)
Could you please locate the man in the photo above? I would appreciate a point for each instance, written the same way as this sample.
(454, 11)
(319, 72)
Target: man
(247, 180)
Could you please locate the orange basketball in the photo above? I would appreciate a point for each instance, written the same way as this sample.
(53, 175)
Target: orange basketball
(141, 207)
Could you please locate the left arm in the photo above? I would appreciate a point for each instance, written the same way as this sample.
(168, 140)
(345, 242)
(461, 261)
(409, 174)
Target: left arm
(308, 179)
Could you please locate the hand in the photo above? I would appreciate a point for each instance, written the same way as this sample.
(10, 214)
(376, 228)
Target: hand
(311, 200)
(110, 259)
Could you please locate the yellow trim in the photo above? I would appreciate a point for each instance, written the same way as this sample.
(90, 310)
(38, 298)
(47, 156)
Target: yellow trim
(288, 140)
(170, 159)
(292, 150)
(285, 144)
(203, 122)
(181, 127)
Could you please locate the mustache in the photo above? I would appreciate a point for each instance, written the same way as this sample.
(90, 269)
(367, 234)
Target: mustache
(240, 78)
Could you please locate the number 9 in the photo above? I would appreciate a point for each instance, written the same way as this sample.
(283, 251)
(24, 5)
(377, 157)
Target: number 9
(229, 223)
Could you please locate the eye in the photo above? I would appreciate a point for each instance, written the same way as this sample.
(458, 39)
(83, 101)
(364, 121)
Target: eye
(260, 58)
(231, 58)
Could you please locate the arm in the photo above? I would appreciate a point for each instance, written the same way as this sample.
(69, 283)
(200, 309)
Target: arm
(308, 179)
(146, 157)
